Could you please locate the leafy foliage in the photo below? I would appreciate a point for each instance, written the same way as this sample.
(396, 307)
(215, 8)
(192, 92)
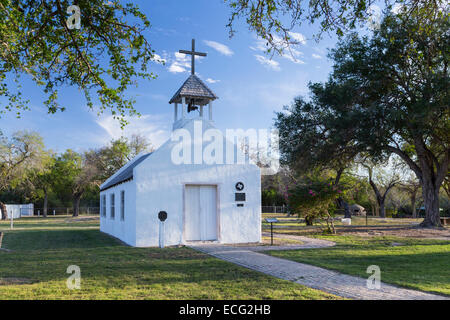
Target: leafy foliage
(387, 94)
(315, 198)
(105, 56)
(116, 154)
(274, 20)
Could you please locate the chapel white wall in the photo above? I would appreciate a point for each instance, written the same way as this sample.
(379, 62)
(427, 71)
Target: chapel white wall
(124, 230)
(160, 185)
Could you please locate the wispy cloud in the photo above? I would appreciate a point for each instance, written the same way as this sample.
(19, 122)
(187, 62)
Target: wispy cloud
(209, 80)
(260, 45)
(298, 37)
(269, 94)
(268, 63)
(316, 56)
(292, 53)
(153, 127)
(220, 47)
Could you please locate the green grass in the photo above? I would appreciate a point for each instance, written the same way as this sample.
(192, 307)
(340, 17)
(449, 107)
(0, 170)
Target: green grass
(416, 263)
(42, 249)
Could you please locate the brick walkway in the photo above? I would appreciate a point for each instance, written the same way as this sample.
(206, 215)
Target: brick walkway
(314, 277)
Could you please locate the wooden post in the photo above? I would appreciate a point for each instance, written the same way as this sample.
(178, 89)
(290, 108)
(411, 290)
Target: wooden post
(271, 233)
(201, 111)
(176, 112)
(183, 101)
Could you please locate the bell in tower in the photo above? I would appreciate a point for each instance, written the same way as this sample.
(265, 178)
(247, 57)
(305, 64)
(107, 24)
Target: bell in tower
(194, 94)
(191, 106)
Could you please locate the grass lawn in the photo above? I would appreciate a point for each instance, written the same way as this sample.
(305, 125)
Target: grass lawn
(414, 263)
(42, 249)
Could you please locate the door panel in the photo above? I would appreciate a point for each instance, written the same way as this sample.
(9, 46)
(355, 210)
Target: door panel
(192, 219)
(201, 212)
(208, 212)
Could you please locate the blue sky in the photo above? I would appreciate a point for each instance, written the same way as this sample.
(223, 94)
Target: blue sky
(250, 86)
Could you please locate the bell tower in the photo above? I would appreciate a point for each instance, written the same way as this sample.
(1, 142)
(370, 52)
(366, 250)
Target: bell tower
(193, 95)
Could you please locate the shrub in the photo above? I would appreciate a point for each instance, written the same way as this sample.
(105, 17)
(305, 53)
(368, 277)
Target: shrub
(316, 198)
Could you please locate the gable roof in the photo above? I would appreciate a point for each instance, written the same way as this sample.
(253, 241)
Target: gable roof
(126, 174)
(193, 87)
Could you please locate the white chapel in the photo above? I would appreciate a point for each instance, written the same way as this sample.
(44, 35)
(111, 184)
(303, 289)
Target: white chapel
(193, 188)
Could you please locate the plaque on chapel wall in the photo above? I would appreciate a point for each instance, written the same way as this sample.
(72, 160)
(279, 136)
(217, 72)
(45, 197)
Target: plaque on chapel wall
(239, 196)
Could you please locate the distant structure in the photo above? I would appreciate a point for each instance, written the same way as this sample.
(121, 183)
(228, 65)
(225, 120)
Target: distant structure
(357, 210)
(198, 201)
(19, 210)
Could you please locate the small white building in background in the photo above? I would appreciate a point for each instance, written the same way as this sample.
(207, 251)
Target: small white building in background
(216, 201)
(19, 210)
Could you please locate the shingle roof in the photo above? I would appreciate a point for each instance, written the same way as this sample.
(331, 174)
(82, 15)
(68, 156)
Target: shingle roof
(126, 174)
(193, 87)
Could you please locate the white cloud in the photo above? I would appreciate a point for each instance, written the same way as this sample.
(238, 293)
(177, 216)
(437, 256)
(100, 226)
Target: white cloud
(155, 128)
(316, 56)
(397, 8)
(176, 68)
(260, 45)
(181, 63)
(209, 80)
(374, 19)
(291, 53)
(158, 59)
(298, 37)
(223, 49)
(268, 63)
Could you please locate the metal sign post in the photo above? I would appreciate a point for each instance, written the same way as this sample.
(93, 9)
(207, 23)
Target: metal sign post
(162, 216)
(271, 221)
(161, 234)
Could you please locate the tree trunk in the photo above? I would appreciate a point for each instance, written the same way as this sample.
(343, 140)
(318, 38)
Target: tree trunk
(344, 205)
(430, 194)
(378, 196)
(76, 205)
(4, 212)
(431, 172)
(413, 205)
(45, 203)
(381, 206)
(309, 220)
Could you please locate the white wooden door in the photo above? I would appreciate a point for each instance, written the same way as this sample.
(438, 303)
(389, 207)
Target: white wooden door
(201, 213)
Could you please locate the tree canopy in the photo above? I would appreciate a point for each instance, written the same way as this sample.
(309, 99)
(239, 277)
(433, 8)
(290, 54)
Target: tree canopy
(387, 94)
(102, 58)
(275, 20)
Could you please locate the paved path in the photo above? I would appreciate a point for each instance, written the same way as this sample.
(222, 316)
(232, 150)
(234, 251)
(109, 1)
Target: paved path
(308, 275)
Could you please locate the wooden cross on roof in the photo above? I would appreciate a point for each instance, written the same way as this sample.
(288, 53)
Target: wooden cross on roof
(193, 53)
